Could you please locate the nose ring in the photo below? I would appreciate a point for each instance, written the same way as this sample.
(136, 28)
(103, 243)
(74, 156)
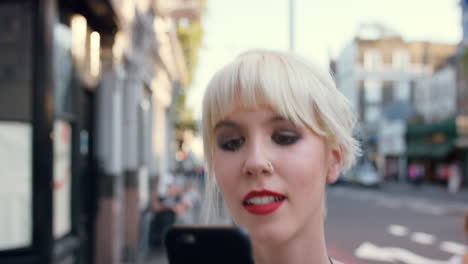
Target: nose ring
(270, 166)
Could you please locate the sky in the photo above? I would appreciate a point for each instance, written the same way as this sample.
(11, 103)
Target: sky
(322, 29)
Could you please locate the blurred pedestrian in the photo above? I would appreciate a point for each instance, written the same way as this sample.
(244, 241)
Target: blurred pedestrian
(416, 172)
(276, 131)
(191, 201)
(455, 178)
(167, 207)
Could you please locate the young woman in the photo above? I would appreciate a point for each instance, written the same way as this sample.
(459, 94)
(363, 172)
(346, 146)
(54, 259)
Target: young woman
(275, 131)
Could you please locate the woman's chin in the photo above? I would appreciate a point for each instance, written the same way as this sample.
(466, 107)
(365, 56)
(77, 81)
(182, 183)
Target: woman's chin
(269, 235)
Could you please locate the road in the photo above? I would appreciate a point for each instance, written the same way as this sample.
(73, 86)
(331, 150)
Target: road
(371, 226)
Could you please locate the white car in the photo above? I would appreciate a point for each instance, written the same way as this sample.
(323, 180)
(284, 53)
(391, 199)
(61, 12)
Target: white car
(367, 175)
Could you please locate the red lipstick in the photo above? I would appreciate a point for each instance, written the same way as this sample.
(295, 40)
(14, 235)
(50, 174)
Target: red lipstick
(263, 202)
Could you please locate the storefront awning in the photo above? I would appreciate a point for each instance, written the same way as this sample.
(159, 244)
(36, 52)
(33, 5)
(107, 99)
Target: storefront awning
(435, 140)
(424, 150)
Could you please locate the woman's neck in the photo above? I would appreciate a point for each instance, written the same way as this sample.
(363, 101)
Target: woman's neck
(307, 246)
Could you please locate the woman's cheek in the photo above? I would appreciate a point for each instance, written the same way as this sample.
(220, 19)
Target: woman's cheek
(223, 167)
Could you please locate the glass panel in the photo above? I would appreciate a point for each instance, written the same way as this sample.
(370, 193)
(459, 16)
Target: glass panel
(372, 113)
(63, 70)
(15, 61)
(372, 60)
(15, 187)
(62, 178)
(373, 91)
(402, 91)
(400, 60)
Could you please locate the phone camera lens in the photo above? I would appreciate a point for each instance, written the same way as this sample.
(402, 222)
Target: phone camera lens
(188, 238)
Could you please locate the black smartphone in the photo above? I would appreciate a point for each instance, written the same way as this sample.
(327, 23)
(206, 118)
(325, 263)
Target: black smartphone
(208, 245)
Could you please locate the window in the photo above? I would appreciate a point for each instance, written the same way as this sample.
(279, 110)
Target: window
(372, 60)
(16, 189)
(373, 91)
(15, 53)
(63, 70)
(372, 113)
(400, 60)
(15, 127)
(402, 91)
(63, 130)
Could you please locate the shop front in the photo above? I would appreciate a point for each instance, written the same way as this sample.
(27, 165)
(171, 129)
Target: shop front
(431, 150)
(46, 135)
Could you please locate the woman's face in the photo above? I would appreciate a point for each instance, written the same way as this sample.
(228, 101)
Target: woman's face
(272, 174)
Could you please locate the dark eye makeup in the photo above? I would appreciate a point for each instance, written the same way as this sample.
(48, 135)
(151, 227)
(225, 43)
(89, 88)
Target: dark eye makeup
(234, 143)
(231, 143)
(285, 138)
(282, 134)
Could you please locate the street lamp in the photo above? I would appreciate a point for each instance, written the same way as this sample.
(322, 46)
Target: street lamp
(291, 25)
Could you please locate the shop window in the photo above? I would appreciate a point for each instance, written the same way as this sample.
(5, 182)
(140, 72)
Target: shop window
(63, 71)
(15, 127)
(372, 113)
(62, 178)
(373, 91)
(16, 189)
(64, 93)
(15, 54)
(402, 91)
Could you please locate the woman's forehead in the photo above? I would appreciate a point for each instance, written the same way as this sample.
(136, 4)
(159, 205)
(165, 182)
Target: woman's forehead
(243, 111)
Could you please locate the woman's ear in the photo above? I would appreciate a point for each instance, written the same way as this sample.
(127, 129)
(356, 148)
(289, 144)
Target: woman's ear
(334, 164)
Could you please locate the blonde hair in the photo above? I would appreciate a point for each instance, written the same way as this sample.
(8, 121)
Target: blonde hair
(293, 87)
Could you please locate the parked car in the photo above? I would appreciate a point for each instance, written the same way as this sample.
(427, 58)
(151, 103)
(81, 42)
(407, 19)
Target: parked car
(367, 175)
(364, 174)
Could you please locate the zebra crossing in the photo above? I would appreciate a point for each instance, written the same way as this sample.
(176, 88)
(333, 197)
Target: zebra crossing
(371, 252)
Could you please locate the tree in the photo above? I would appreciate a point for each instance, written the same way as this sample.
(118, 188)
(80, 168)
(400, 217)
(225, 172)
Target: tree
(190, 35)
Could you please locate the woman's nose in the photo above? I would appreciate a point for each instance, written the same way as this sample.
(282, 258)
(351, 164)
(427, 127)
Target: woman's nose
(257, 162)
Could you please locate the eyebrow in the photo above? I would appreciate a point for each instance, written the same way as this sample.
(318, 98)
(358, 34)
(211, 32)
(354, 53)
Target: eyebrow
(276, 118)
(225, 123)
(232, 124)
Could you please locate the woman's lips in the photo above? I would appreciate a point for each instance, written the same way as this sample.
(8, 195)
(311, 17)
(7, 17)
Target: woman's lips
(263, 202)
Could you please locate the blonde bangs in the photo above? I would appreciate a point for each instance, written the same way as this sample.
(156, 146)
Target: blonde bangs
(255, 80)
(293, 87)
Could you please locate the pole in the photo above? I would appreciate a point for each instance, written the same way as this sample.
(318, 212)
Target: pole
(291, 25)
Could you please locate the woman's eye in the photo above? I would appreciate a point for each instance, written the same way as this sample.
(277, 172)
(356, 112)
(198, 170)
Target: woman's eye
(285, 139)
(232, 144)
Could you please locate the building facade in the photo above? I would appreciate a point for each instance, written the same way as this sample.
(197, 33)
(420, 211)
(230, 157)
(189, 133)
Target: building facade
(378, 72)
(86, 96)
(436, 98)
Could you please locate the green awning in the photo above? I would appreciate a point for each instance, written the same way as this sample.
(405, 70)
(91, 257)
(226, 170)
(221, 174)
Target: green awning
(434, 140)
(447, 127)
(426, 150)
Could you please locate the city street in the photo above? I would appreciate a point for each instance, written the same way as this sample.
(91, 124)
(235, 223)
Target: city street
(115, 113)
(379, 226)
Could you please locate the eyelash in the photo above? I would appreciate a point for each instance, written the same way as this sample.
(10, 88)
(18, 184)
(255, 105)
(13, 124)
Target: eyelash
(233, 144)
(285, 139)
